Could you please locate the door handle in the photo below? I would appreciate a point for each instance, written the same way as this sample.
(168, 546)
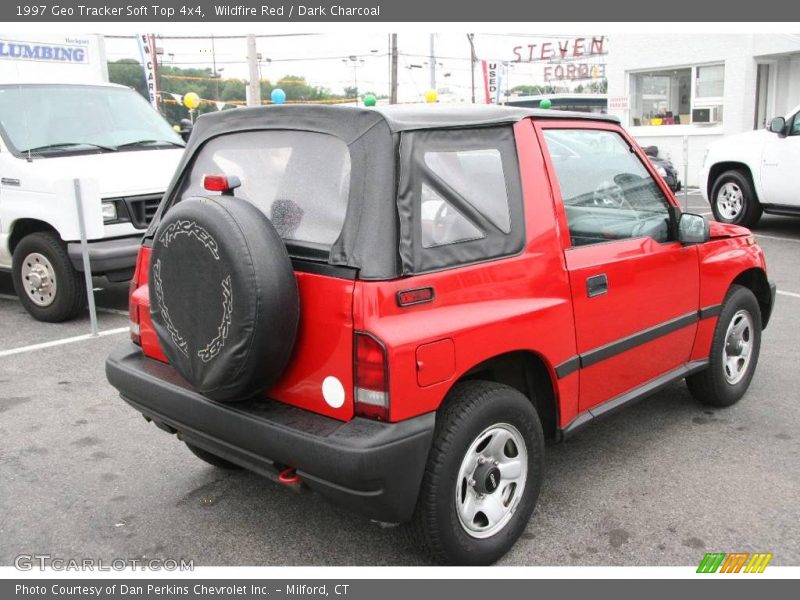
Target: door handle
(596, 285)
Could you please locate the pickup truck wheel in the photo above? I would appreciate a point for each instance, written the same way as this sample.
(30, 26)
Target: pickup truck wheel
(482, 478)
(733, 200)
(47, 284)
(734, 351)
(213, 459)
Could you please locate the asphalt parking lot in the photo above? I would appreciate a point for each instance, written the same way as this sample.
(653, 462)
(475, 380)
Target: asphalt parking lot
(83, 475)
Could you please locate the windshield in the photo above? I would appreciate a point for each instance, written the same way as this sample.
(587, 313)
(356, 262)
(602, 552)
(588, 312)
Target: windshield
(64, 118)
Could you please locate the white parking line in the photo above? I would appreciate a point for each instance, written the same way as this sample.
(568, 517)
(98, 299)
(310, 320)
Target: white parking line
(777, 237)
(61, 342)
(790, 294)
(111, 311)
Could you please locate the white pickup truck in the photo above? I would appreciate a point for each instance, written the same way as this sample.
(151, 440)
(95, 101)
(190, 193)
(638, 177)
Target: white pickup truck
(754, 172)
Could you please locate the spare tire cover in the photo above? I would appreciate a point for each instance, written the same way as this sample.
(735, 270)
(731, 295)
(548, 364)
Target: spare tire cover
(223, 296)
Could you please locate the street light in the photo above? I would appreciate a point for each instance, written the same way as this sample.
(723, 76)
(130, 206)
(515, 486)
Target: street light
(260, 58)
(356, 63)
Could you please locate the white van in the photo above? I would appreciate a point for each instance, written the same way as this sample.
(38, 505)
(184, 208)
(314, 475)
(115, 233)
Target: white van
(58, 129)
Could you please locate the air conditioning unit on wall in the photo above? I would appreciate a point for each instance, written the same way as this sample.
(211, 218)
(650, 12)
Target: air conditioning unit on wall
(707, 115)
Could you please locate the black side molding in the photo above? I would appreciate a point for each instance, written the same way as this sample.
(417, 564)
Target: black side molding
(621, 345)
(637, 339)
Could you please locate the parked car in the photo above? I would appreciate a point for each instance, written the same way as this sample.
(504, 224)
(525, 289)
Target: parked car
(397, 307)
(664, 168)
(755, 172)
(124, 153)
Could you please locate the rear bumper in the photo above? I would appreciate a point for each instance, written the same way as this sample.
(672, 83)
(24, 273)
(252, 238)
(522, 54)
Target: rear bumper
(115, 257)
(371, 467)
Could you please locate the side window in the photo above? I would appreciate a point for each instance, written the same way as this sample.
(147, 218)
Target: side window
(442, 223)
(477, 176)
(459, 197)
(608, 193)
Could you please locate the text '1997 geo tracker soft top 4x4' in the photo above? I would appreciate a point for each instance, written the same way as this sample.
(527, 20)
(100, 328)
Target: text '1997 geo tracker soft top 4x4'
(397, 307)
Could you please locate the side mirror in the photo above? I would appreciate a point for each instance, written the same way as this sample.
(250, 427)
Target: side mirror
(693, 229)
(778, 125)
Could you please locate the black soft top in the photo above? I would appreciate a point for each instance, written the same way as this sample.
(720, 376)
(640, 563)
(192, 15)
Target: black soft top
(370, 238)
(421, 116)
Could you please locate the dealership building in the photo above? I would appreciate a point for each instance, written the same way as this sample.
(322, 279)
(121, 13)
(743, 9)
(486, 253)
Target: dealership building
(682, 92)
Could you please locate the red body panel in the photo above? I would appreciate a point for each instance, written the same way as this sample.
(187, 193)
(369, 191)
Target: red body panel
(535, 301)
(324, 345)
(487, 309)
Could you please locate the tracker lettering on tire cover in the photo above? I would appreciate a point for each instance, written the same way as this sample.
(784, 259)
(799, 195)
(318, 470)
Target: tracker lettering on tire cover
(225, 302)
(192, 229)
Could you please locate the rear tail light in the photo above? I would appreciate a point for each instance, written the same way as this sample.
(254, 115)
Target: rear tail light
(133, 307)
(371, 378)
(133, 314)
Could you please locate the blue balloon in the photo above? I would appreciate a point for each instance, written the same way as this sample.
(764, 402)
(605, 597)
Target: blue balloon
(278, 96)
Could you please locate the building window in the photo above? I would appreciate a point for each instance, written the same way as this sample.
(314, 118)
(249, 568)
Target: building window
(677, 96)
(710, 81)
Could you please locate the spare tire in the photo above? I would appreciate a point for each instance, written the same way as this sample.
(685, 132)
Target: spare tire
(223, 296)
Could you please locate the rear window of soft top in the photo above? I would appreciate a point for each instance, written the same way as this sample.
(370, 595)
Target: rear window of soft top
(299, 179)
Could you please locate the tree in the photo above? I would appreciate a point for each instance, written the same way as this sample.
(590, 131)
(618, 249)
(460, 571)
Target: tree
(128, 72)
(175, 80)
(599, 86)
(533, 90)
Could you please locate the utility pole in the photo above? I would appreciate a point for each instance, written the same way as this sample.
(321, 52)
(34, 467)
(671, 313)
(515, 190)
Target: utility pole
(433, 61)
(214, 67)
(472, 60)
(254, 92)
(151, 40)
(393, 93)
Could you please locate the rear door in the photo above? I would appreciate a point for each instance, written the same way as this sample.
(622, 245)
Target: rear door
(301, 181)
(635, 289)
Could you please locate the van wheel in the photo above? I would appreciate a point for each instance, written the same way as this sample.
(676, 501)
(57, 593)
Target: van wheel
(733, 200)
(482, 478)
(734, 351)
(212, 459)
(47, 284)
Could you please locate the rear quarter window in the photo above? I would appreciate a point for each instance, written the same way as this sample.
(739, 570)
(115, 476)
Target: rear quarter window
(299, 179)
(460, 197)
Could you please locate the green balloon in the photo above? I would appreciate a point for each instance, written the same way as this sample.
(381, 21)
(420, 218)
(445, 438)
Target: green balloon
(545, 103)
(370, 100)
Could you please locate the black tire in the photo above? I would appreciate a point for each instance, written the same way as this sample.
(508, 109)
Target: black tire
(711, 386)
(69, 298)
(751, 208)
(224, 298)
(471, 408)
(213, 459)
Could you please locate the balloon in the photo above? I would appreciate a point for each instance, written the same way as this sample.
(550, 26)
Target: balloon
(278, 96)
(431, 96)
(370, 100)
(545, 103)
(191, 100)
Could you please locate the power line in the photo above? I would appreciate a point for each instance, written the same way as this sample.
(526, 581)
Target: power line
(216, 37)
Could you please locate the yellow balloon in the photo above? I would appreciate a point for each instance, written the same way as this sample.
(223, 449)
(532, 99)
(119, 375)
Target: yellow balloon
(431, 96)
(191, 100)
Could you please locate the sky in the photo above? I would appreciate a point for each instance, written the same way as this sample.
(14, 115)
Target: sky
(323, 59)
